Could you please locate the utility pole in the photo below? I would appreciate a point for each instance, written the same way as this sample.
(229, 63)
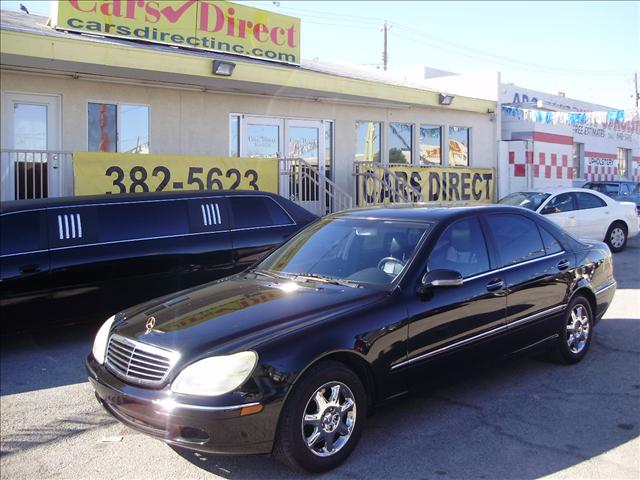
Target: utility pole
(385, 55)
(635, 78)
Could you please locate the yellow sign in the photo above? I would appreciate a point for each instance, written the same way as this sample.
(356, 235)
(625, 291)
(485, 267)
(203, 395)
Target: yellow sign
(199, 24)
(99, 173)
(426, 184)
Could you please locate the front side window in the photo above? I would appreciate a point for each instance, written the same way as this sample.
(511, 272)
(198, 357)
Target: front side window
(368, 141)
(461, 248)
(358, 250)
(459, 146)
(118, 128)
(587, 200)
(565, 202)
(517, 238)
(400, 142)
(430, 145)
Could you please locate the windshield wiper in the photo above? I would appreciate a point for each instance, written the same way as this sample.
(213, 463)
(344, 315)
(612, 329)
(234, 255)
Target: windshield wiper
(269, 274)
(325, 279)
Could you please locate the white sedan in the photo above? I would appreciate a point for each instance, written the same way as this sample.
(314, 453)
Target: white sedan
(583, 213)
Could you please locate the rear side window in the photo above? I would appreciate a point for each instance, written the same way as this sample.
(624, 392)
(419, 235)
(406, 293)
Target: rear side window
(551, 245)
(134, 221)
(565, 202)
(517, 238)
(587, 200)
(461, 248)
(252, 212)
(21, 233)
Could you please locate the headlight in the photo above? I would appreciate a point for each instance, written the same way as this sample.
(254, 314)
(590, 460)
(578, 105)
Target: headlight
(100, 343)
(215, 375)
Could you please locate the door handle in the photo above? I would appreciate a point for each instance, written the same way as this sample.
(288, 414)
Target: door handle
(30, 269)
(563, 264)
(495, 284)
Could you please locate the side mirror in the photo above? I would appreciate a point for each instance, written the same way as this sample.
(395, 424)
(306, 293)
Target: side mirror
(548, 209)
(440, 278)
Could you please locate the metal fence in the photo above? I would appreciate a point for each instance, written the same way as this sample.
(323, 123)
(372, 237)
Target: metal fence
(305, 185)
(32, 174)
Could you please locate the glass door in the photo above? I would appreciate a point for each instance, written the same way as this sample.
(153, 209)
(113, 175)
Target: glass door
(29, 169)
(305, 147)
(261, 138)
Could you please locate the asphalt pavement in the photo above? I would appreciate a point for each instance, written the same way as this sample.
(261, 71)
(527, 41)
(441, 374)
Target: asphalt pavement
(524, 418)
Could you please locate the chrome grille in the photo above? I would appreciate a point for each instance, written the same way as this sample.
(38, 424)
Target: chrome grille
(138, 362)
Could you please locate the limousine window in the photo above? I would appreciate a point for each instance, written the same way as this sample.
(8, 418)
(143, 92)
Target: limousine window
(256, 211)
(517, 238)
(20, 233)
(461, 248)
(128, 221)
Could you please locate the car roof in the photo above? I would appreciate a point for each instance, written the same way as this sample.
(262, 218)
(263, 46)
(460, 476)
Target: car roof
(40, 203)
(555, 190)
(423, 212)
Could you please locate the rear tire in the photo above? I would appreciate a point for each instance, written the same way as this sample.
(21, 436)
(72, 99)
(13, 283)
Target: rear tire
(575, 332)
(322, 419)
(617, 237)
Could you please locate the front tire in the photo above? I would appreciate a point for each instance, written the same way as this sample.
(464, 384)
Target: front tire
(322, 419)
(575, 333)
(617, 237)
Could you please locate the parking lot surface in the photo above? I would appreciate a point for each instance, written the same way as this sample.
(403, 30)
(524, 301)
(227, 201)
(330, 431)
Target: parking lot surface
(524, 418)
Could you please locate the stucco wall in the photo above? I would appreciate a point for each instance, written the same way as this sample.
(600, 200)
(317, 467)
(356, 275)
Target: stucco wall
(194, 122)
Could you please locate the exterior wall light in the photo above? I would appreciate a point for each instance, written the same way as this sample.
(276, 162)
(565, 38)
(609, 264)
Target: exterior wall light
(446, 99)
(223, 68)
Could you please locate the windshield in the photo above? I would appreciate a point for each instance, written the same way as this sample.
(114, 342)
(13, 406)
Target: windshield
(605, 188)
(530, 200)
(356, 250)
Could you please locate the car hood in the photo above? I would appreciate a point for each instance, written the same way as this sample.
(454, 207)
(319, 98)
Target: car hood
(238, 312)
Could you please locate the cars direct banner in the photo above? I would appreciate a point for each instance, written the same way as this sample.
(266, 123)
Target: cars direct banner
(425, 184)
(198, 24)
(98, 173)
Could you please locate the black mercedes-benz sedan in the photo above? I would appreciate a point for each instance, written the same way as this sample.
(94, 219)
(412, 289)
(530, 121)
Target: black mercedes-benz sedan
(291, 355)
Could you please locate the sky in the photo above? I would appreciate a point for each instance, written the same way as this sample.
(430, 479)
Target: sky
(587, 49)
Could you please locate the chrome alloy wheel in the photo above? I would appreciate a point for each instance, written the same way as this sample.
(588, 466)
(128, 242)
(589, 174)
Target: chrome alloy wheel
(577, 329)
(328, 419)
(617, 237)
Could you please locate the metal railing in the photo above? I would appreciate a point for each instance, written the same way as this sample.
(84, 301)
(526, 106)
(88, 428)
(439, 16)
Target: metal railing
(32, 174)
(305, 185)
(376, 184)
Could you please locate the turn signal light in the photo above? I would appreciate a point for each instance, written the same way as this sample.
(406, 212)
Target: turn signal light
(251, 410)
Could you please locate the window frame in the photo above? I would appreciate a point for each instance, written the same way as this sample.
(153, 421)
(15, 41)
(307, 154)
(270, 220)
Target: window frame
(420, 126)
(411, 126)
(623, 158)
(118, 105)
(382, 157)
(449, 164)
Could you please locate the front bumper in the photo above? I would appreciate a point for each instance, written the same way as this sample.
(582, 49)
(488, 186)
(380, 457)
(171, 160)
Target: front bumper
(214, 429)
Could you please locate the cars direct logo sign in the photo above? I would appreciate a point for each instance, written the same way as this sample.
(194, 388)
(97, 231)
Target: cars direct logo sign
(199, 24)
(432, 184)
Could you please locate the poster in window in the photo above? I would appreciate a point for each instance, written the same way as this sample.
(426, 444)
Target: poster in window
(102, 127)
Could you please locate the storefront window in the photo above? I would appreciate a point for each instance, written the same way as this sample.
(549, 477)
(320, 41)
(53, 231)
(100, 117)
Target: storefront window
(234, 136)
(400, 142)
(368, 141)
(118, 128)
(578, 157)
(459, 146)
(624, 160)
(430, 145)
(263, 140)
